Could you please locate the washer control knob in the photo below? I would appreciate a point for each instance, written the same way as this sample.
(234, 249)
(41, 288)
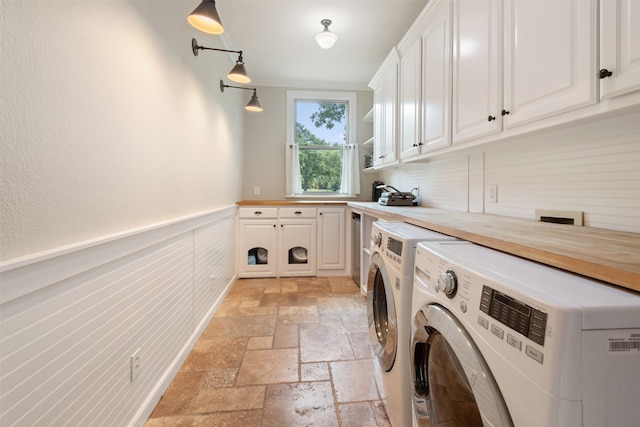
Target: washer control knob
(448, 283)
(377, 239)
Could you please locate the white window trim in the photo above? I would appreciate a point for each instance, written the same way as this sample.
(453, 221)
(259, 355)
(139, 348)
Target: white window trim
(292, 96)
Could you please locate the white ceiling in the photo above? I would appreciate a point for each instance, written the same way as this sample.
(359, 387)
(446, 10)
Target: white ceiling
(277, 38)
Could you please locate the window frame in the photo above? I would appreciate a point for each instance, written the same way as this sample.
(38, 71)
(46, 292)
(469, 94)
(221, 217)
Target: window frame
(350, 98)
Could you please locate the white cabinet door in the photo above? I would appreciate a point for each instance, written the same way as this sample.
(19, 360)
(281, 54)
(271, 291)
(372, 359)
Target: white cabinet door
(477, 70)
(436, 79)
(378, 127)
(619, 47)
(297, 248)
(549, 58)
(331, 239)
(390, 115)
(385, 110)
(257, 248)
(410, 100)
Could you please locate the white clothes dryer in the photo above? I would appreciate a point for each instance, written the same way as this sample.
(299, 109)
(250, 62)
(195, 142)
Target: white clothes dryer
(389, 290)
(498, 340)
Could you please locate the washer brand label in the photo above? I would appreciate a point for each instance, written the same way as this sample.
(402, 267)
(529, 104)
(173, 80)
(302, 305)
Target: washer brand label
(624, 343)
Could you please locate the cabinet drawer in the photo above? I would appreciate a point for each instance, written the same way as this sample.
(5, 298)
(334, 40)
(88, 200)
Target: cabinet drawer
(297, 212)
(258, 212)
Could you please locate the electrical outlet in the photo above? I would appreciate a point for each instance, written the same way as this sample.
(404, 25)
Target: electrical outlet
(256, 191)
(493, 193)
(135, 365)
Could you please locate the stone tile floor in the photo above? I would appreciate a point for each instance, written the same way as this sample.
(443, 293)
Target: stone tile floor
(279, 352)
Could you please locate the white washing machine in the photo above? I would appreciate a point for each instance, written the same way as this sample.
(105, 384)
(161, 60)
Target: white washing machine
(389, 290)
(499, 341)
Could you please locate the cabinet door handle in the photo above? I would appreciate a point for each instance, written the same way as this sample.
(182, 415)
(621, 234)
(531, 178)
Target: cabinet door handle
(604, 73)
(257, 213)
(381, 157)
(415, 145)
(504, 112)
(491, 118)
(420, 144)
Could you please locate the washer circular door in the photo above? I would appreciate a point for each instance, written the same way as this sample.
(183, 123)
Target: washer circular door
(381, 310)
(452, 384)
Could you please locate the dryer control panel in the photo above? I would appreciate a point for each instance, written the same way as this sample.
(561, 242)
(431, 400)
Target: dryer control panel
(514, 314)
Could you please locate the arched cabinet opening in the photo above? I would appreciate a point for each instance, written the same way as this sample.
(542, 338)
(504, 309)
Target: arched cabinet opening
(298, 255)
(258, 256)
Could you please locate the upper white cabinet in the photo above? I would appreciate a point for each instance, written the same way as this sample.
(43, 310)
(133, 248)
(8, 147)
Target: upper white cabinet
(535, 60)
(477, 69)
(411, 100)
(425, 87)
(619, 47)
(549, 58)
(385, 112)
(436, 78)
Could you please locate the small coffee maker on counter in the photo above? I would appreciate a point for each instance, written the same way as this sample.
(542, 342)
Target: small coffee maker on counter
(378, 186)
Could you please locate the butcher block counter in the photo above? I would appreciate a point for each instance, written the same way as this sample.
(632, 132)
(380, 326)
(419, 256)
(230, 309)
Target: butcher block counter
(607, 255)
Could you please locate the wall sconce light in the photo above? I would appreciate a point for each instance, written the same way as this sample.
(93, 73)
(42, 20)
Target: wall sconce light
(205, 18)
(326, 39)
(237, 73)
(254, 104)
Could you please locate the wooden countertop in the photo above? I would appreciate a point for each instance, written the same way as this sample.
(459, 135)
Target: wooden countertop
(607, 255)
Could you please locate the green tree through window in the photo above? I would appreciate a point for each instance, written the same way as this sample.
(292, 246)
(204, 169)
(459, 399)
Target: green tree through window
(321, 160)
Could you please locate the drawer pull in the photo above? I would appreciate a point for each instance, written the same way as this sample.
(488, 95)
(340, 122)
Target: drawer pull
(298, 213)
(257, 213)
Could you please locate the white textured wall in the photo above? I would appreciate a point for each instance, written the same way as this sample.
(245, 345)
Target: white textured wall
(108, 122)
(593, 168)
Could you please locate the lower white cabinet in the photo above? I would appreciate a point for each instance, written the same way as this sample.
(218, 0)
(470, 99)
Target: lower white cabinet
(276, 241)
(331, 239)
(297, 242)
(291, 241)
(257, 242)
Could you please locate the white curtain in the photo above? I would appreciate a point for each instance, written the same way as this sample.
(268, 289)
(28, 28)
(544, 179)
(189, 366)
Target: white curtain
(350, 183)
(296, 181)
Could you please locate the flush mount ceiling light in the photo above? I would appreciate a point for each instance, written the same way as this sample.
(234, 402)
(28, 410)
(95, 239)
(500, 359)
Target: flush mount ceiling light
(238, 73)
(254, 104)
(326, 39)
(205, 18)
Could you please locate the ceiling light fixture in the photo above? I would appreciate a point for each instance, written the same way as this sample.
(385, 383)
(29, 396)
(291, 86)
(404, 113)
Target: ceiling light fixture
(326, 39)
(238, 73)
(254, 104)
(205, 18)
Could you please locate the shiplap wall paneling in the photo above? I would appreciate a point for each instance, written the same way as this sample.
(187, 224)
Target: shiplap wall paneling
(66, 343)
(215, 248)
(443, 182)
(65, 360)
(596, 171)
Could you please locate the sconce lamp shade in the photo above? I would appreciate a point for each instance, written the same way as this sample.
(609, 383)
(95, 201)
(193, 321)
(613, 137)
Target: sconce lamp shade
(326, 39)
(238, 73)
(254, 104)
(205, 18)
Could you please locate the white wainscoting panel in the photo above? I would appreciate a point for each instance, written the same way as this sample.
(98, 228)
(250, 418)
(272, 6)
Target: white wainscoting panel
(65, 345)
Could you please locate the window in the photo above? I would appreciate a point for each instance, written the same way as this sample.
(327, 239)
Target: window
(322, 154)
